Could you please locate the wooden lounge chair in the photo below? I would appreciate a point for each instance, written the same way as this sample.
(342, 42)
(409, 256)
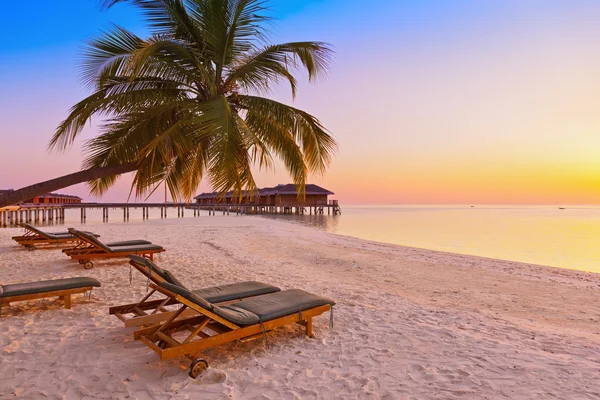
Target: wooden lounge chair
(214, 325)
(35, 237)
(82, 246)
(91, 248)
(152, 312)
(61, 288)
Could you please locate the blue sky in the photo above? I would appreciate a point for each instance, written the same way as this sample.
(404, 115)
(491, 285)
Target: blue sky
(33, 25)
(431, 100)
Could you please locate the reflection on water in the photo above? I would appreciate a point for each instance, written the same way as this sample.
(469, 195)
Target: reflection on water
(546, 235)
(327, 223)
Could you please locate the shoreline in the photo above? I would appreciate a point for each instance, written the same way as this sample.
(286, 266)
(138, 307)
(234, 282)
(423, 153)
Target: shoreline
(410, 322)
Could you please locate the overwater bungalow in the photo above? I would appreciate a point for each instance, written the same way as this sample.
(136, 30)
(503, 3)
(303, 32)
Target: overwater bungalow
(281, 198)
(55, 198)
(49, 198)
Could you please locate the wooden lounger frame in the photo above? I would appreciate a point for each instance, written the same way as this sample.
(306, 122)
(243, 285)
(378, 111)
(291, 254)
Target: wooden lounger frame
(86, 251)
(150, 312)
(63, 295)
(30, 239)
(208, 329)
(146, 312)
(80, 247)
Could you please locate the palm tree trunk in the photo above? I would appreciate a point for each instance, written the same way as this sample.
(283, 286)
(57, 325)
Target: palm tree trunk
(42, 188)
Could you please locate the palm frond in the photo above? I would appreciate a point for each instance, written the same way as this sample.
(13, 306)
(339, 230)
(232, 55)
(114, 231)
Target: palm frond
(106, 55)
(121, 96)
(173, 60)
(318, 146)
(265, 67)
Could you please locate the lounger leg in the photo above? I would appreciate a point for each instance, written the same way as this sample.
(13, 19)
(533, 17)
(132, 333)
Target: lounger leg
(309, 327)
(67, 299)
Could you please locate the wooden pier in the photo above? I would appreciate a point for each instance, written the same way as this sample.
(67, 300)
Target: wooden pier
(55, 213)
(12, 216)
(50, 213)
(105, 207)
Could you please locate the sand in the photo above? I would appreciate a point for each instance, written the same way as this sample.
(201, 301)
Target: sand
(409, 323)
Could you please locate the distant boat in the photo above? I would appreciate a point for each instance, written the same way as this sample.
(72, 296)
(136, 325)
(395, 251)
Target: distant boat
(561, 208)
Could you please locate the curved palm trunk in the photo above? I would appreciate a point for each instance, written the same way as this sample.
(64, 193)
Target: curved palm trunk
(42, 188)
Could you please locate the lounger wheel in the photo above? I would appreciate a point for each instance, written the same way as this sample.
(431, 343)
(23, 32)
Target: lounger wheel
(30, 248)
(81, 262)
(88, 265)
(198, 367)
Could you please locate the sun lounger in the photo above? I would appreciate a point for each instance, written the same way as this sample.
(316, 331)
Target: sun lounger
(82, 246)
(91, 248)
(61, 288)
(35, 237)
(151, 312)
(214, 325)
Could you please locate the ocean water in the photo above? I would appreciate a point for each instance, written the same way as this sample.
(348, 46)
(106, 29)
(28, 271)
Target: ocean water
(546, 235)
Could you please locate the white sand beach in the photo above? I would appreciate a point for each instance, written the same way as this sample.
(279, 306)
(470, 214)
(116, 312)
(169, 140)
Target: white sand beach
(409, 323)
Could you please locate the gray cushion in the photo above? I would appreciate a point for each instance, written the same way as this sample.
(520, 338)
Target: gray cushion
(145, 263)
(91, 233)
(57, 236)
(128, 243)
(187, 294)
(262, 308)
(19, 289)
(279, 304)
(235, 291)
(172, 279)
(236, 315)
(140, 248)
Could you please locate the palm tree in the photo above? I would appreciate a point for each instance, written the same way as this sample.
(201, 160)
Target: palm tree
(186, 103)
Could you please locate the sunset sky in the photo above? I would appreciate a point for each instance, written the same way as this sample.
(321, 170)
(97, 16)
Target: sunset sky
(431, 101)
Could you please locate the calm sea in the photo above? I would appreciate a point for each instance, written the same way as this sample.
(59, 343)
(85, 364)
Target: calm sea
(547, 235)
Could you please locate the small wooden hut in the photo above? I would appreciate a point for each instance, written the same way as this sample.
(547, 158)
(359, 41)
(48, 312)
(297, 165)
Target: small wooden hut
(54, 198)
